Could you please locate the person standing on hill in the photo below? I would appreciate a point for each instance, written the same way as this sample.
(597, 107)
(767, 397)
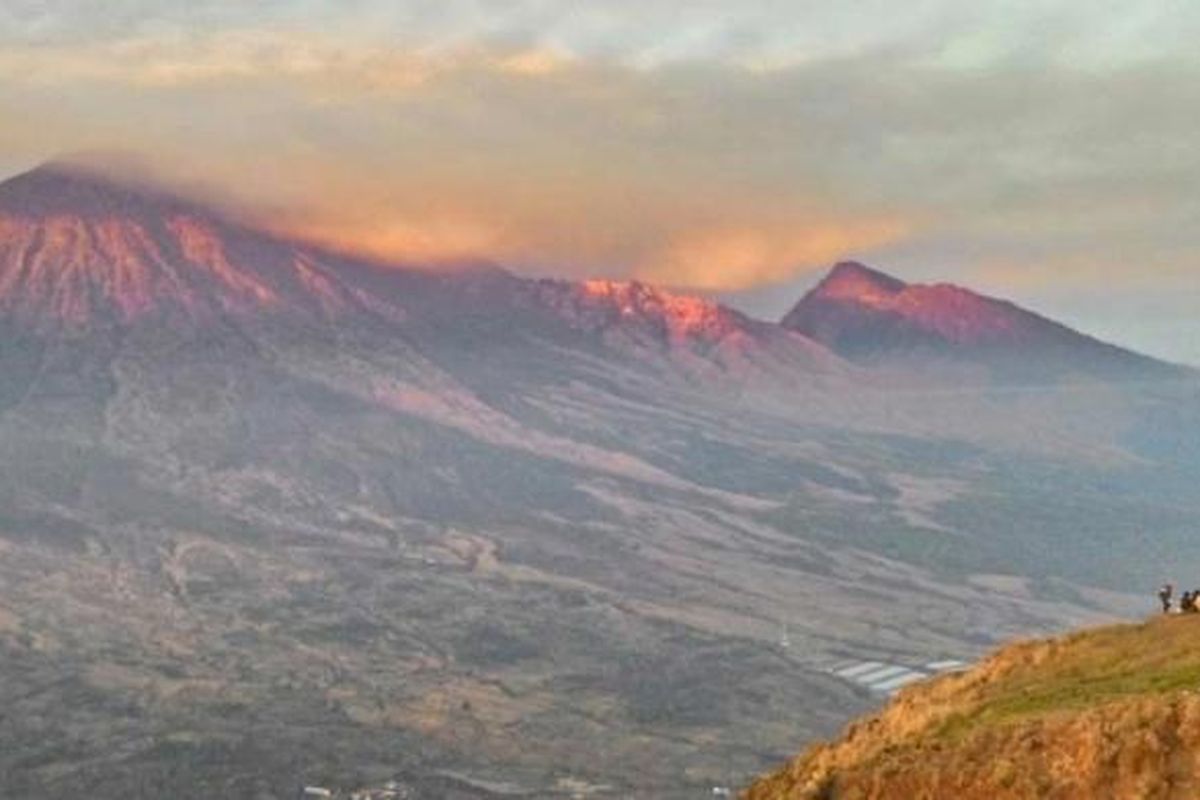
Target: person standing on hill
(1164, 595)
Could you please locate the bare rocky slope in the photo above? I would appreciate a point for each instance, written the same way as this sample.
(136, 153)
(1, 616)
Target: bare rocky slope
(1106, 713)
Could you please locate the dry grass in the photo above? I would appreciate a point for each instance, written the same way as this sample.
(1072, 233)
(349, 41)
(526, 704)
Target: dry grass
(1110, 712)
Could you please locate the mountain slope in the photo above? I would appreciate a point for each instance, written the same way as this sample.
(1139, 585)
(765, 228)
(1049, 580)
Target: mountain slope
(520, 530)
(706, 339)
(874, 318)
(79, 250)
(1110, 712)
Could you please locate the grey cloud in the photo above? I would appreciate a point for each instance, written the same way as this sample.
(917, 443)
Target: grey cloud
(653, 32)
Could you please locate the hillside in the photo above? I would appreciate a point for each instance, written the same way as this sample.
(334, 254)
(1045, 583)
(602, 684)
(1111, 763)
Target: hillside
(1105, 713)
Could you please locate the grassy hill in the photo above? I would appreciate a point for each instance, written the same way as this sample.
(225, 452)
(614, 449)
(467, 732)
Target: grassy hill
(1112, 712)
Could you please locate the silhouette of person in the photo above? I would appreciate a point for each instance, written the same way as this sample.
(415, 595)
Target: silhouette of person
(1164, 595)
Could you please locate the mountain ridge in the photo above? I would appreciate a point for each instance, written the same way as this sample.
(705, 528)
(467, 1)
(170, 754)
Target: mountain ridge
(93, 216)
(80, 247)
(870, 317)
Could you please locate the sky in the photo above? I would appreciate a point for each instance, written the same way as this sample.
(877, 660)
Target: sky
(1045, 151)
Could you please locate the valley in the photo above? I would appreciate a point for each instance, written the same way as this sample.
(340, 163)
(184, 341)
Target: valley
(533, 534)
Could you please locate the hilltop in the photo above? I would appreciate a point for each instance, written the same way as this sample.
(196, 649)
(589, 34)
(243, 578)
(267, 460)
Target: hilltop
(1107, 712)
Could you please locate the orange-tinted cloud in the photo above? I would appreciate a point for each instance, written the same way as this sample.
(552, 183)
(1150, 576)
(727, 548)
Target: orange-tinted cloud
(431, 241)
(733, 258)
(708, 258)
(558, 154)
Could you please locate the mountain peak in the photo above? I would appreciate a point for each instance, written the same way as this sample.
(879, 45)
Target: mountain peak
(856, 307)
(850, 279)
(868, 316)
(601, 303)
(79, 246)
(68, 187)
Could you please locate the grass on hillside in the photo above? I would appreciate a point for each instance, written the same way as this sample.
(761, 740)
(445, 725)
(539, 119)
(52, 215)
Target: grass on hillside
(1088, 669)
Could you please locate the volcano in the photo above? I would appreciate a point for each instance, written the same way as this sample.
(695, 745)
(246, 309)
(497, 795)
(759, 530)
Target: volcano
(873, 318)
(81, 249)
(78, 249)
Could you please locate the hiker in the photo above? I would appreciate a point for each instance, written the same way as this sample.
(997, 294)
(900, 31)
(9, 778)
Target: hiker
(1164, 595)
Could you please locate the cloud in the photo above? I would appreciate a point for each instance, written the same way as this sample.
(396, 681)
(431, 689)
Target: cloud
(672, 163)
(695, 144)
(752, 254)
(652, 33)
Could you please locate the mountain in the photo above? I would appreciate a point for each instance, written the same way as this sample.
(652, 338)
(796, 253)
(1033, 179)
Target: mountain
(1110, 712)
(81, 249)
(272, 515)
(707, 339)
(874, 318)
(78, 249)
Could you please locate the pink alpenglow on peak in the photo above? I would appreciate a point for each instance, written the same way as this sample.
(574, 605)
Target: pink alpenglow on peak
(868, 316)
(680, 315)
(943, 310)
(855, 281)
(78, 249)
